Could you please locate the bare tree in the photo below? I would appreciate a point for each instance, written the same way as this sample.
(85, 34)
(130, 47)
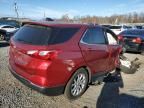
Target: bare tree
(65, 18)
(114, 19)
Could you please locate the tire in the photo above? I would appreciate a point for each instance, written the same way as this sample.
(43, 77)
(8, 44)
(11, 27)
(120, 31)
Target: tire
(74, 89)
(2, 37)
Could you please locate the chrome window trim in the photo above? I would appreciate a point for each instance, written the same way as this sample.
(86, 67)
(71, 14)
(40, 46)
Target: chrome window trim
(81, 40)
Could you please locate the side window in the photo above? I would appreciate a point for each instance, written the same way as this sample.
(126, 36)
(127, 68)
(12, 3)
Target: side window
(112, 39)
(4, 27)
(7, 27)
(11, 27)
(94, 36)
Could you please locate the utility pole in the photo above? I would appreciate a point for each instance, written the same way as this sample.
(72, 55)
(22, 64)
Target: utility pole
(16, 9)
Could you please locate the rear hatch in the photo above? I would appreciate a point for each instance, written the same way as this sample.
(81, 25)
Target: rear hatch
(34, 44)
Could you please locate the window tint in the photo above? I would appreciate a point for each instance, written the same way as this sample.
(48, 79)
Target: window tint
(115, 27)
(7, 27)
(94, 36)
(10, 22)
(139, 27)
(127, 27)
(41, 35)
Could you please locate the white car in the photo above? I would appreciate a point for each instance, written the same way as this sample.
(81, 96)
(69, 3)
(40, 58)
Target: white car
(119, 28)
(8, 28)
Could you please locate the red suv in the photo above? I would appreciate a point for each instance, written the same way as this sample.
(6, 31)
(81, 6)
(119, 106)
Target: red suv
(62, 58)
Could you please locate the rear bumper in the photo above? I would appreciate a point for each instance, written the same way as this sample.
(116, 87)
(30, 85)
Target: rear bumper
(134, 47)
(53, 91)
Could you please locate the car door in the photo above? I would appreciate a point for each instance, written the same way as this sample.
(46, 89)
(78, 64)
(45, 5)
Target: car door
(94, 49)
(113, 47)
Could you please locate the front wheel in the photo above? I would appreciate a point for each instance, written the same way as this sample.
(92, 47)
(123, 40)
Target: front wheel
(77, 85)
(1, 37)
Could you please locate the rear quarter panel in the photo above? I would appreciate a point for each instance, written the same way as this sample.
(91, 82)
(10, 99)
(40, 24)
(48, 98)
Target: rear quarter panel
(68, 61)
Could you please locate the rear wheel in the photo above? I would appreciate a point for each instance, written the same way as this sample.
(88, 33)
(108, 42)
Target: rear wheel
(77, 85)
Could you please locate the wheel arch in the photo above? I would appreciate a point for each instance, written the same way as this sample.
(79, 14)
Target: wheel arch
(88, 72)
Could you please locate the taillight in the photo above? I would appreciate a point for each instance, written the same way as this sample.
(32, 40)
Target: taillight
(137, 40)
(45, 55)
(120, 38)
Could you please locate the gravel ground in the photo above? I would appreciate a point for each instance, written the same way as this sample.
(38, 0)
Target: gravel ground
(128, 92)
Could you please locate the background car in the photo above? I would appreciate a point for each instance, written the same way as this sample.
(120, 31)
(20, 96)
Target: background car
(8, 28)
(138, 27)
(2, 35)
(133, 40)
(119, 28)
(8, 35)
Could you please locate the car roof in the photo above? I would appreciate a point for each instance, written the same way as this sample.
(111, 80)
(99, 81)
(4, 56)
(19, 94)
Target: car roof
(58, 23)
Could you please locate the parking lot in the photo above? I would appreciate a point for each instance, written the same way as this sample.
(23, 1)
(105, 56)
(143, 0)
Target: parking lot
(126, 92)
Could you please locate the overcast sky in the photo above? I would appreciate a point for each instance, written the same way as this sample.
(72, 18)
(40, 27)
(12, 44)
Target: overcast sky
(56, 8)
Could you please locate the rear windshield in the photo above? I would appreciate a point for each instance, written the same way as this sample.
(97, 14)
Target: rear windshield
(42, 35)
